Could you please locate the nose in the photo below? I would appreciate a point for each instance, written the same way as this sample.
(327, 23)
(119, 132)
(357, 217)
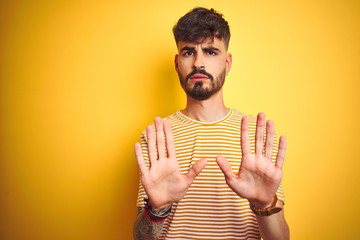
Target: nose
(199, 61)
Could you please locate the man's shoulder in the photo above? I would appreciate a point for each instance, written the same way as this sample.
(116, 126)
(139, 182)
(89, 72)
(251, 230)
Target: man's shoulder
(239, 115)
(170, 118)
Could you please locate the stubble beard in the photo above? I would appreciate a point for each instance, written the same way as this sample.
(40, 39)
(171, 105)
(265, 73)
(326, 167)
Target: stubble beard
(198, 91)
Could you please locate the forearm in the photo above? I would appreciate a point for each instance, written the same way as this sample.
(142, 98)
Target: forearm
(144, 228)
(274, 226)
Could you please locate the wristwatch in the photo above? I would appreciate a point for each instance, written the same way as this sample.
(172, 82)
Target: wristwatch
(267, 211)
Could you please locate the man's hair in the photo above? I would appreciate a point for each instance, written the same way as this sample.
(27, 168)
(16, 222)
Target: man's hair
(200, 24)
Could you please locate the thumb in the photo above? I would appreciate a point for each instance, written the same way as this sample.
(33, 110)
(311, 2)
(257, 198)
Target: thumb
(225, 167)
(195, 170)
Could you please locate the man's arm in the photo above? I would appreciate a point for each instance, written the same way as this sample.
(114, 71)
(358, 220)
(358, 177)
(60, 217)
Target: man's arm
(144, 228)
(162, 180)
(258, 178)
(274, 226)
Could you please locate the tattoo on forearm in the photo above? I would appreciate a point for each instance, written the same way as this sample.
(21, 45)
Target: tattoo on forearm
(159, 214)
(144, 229)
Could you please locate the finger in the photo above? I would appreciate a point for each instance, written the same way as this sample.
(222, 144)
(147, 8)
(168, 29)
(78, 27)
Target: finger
(225, 167)
(151, 144)
(170, 147)
(160, 137)
(140, 159)
(245, 141)
(195, 170)
(259, 135)
(281, 152)
(270, 132)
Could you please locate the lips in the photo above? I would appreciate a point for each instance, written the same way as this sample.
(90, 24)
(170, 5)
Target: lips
(199, 77)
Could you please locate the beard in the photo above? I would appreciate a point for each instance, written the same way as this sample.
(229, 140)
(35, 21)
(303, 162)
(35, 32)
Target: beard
(198, 91)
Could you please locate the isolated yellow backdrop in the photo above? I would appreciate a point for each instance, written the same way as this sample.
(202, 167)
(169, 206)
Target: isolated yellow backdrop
(80, 80)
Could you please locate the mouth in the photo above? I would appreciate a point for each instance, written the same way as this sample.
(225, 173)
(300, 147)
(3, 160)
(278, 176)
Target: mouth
(199, 77)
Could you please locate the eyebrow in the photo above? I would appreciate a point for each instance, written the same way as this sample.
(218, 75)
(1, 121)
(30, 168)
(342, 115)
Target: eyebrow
(207, 49)
(187, 48)
(211, 49)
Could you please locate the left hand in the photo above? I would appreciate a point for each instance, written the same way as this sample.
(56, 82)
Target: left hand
(258, 178)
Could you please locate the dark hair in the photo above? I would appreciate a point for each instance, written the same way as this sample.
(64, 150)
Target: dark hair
(200, 24)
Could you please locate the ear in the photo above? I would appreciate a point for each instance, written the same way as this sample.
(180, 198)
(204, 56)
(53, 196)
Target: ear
(228, 62)
(176, 63)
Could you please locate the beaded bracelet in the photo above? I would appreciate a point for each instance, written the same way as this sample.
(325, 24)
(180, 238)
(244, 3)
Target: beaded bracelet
(152, 216)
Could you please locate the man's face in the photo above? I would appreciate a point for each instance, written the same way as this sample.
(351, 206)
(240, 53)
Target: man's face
(202, 67)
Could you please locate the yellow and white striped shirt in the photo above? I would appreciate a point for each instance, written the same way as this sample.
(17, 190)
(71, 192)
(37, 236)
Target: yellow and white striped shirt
(210, 209)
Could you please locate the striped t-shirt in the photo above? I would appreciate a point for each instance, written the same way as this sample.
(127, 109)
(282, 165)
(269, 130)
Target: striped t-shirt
(210, 209)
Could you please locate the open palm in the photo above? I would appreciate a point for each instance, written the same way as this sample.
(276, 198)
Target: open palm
(258, 178)
(163, 181)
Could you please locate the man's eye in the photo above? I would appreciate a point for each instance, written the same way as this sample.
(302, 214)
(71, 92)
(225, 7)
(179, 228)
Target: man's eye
(189, 53)
(211, 53)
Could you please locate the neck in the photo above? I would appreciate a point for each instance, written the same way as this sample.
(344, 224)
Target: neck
(208, 110)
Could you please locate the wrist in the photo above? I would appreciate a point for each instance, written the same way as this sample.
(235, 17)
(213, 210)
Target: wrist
(266, 210)
(154, 214)
(156, 207)
(260, 204)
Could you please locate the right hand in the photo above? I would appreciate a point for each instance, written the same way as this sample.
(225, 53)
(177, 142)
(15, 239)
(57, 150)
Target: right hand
(163, 182)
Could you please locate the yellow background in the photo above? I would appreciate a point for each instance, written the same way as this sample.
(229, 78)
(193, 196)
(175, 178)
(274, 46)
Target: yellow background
(80, 80)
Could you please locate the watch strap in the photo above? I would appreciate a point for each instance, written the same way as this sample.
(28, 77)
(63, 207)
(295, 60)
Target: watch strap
(267, 211)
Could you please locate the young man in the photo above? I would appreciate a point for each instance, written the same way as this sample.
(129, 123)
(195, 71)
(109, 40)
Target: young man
(209, 172)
